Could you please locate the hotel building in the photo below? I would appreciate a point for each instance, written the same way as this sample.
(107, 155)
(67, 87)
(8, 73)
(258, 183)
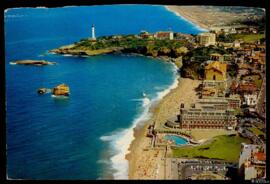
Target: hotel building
(208, 116)
(207, 39)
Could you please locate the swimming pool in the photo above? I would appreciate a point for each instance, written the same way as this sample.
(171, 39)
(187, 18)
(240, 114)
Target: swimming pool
(176, 139)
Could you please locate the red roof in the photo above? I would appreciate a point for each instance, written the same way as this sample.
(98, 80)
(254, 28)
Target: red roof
(234, 85)
(247, 87)
(260, 156)
(163, 34)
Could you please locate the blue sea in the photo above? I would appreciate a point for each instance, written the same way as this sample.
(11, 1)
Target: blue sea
(85, 136)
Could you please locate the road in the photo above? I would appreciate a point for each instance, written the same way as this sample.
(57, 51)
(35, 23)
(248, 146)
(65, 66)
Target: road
(260, 104)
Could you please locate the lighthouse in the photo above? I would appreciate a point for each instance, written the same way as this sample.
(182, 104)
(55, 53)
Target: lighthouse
(93, 32)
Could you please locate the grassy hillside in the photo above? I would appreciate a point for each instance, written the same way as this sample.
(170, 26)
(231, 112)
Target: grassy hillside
(225, 147)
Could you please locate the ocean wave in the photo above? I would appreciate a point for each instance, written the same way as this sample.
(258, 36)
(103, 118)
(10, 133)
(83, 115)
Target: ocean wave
(8, 9)
(146, 101)
(14, 16)
(67, 55)
(122, 139)
(42, 7)
(121, 144)
(69, 6)
(107, 138)
(18, 8)
(159, 87)
(103, 162)
(166, 91)
(59, 97)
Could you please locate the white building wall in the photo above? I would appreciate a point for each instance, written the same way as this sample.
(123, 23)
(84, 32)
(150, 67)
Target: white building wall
(250, 173)
(171, 36)
(250, 99)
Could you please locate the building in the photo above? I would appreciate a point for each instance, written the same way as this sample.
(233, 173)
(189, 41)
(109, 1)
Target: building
(224, 29)
(207, 39)
(257, 59)
(181, 36)
(236, 44)
(163, 35)
(234, 101)
(247, 88)
(216, 71)
(202, 117)
(145, 35)
(216, 57)
(250, 99)
(93, 33)
(248, 92)
(215, 76)
(220, 103)
(252, 161)
(244, 69)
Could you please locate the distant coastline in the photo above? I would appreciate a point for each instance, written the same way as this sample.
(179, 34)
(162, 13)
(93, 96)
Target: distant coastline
(188, 17)
(208, 17)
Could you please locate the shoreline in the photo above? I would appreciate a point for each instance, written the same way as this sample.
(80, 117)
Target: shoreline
(122, 140)
(137, 156)
(187, 17)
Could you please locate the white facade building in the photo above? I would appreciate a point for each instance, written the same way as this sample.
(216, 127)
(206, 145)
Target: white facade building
(250, 99)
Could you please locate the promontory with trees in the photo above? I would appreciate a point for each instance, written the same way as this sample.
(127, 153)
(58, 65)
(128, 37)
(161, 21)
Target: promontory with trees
(189, 52)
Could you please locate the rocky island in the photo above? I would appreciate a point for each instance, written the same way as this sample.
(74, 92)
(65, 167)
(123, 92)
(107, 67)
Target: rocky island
(60, 90)
(32, 62)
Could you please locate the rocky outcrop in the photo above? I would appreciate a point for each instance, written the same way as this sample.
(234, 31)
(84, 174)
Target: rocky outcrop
(43, 90)
(85, 52)
(178, 62)
(167, 50)
(61, 90)
(32, 62)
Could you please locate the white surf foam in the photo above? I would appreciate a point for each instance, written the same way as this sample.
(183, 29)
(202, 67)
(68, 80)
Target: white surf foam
(42, 7)
(60, 97)
(12, 63)
(103, 162)
(67, 55)
(146, 101)
(121, 140)
(107, 138)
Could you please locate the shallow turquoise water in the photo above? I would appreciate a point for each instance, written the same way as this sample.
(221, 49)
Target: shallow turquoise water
(176, 139)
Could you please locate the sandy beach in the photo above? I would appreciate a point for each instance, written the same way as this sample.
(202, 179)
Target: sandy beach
(209, 16)
(145, 163)
(186, 13)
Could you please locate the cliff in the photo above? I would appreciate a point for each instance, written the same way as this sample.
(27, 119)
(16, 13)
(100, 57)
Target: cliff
(61, 90)
(169, 50)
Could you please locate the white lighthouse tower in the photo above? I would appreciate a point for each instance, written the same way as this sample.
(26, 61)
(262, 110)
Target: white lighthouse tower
(93, 32)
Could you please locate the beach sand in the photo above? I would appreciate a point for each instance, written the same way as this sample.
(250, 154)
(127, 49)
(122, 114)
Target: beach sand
(186, 13)
(209, 16)
(146, 163)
